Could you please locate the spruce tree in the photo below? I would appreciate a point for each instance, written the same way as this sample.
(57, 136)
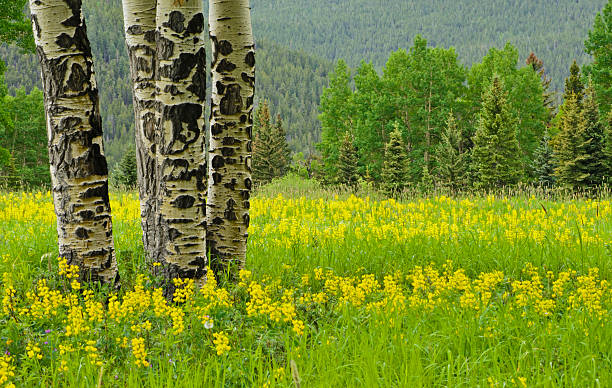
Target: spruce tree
(569, 147)
(608, 148)
(495, 156)
(574, 84)
(263, 170)
(127, 173)
(543, 163)
(450, 158)
(281, 155)
(347, 162)
(538, 66)
(395, 168)
(592, 132)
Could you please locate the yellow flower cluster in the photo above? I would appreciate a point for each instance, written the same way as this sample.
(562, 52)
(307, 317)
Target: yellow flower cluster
(287, 222)
(33, 351)
(7, 371)
(221, 342)
(139, 352)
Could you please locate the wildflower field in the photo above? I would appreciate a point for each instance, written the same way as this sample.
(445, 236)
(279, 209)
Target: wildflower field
(338, 291)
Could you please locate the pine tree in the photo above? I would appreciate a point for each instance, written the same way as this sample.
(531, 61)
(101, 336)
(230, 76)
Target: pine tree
(608, 148)
(543, 163)
(395, 169)
(573, 84)
(281, 155)
(347, 162)
(569, 147)
(592, 132)
(427, 183)
(451, 160)
(263, 168)
(495, 155)
(538, 66)
(127, 173)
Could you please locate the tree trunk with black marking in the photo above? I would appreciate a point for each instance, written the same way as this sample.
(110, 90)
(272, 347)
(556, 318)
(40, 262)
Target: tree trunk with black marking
(181, 160)
(231, 124)
(139, 19)
(79, 171)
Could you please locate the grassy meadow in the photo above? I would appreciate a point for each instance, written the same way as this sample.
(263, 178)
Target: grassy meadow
(340, 290)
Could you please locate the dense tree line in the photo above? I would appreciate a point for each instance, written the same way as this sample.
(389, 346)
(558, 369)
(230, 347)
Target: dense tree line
(356, 30)
(428, 120)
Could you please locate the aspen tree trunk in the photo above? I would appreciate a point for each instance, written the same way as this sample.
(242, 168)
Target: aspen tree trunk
(231, 124)
(181, 153)
(79, 171)
(139, 19)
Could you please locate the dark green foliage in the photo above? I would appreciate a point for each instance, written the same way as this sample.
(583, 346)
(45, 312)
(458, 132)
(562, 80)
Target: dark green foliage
(14, 26)
(569, 147)
(23, 134)
(126, 173)
(336, 118)
(271, 154)
(524, 96)
(574, 84)
(347, 162)
(281, 155)
(395, 169)
(592, 131)
(263, 145)
(599, 45)
(451, 160)
(608, 147)
(549, 95)
(357, 30)
(543, 163)
(495, 144)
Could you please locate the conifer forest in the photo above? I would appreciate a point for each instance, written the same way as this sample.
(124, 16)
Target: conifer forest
(233, 193)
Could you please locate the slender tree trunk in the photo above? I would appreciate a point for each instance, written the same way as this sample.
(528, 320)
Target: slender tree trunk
(181, 153)
(139, 18)
(78, 166)
(231, 124)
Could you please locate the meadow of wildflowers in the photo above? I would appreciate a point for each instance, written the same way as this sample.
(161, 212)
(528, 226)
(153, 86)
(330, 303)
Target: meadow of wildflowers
(338, 291)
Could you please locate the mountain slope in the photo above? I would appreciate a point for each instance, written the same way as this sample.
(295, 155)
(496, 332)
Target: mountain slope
(369, 30)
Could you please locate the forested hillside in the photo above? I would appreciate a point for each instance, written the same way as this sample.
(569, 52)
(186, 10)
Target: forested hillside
(353, 30)
(292, 81)
(369, 30)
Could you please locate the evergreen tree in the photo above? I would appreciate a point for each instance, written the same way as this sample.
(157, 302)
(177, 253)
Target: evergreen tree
(569, 147)
(395, 168)
(538, 66)
(281, 155)
(599, 45)
(496, 147)
(127, 173)
(427, 183)
(573, 84)
(450, 158)
(543, 163)
(335, 118)
(608, 148)
(592, 132)
(263, 146)
(347, 162)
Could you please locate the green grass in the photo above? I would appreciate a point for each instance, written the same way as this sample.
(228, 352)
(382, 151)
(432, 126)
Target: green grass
(422, 343)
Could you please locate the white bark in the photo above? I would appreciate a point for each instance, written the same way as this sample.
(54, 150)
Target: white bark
(76, 153)
(139, 19)
(181, 161)
(233, 82)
